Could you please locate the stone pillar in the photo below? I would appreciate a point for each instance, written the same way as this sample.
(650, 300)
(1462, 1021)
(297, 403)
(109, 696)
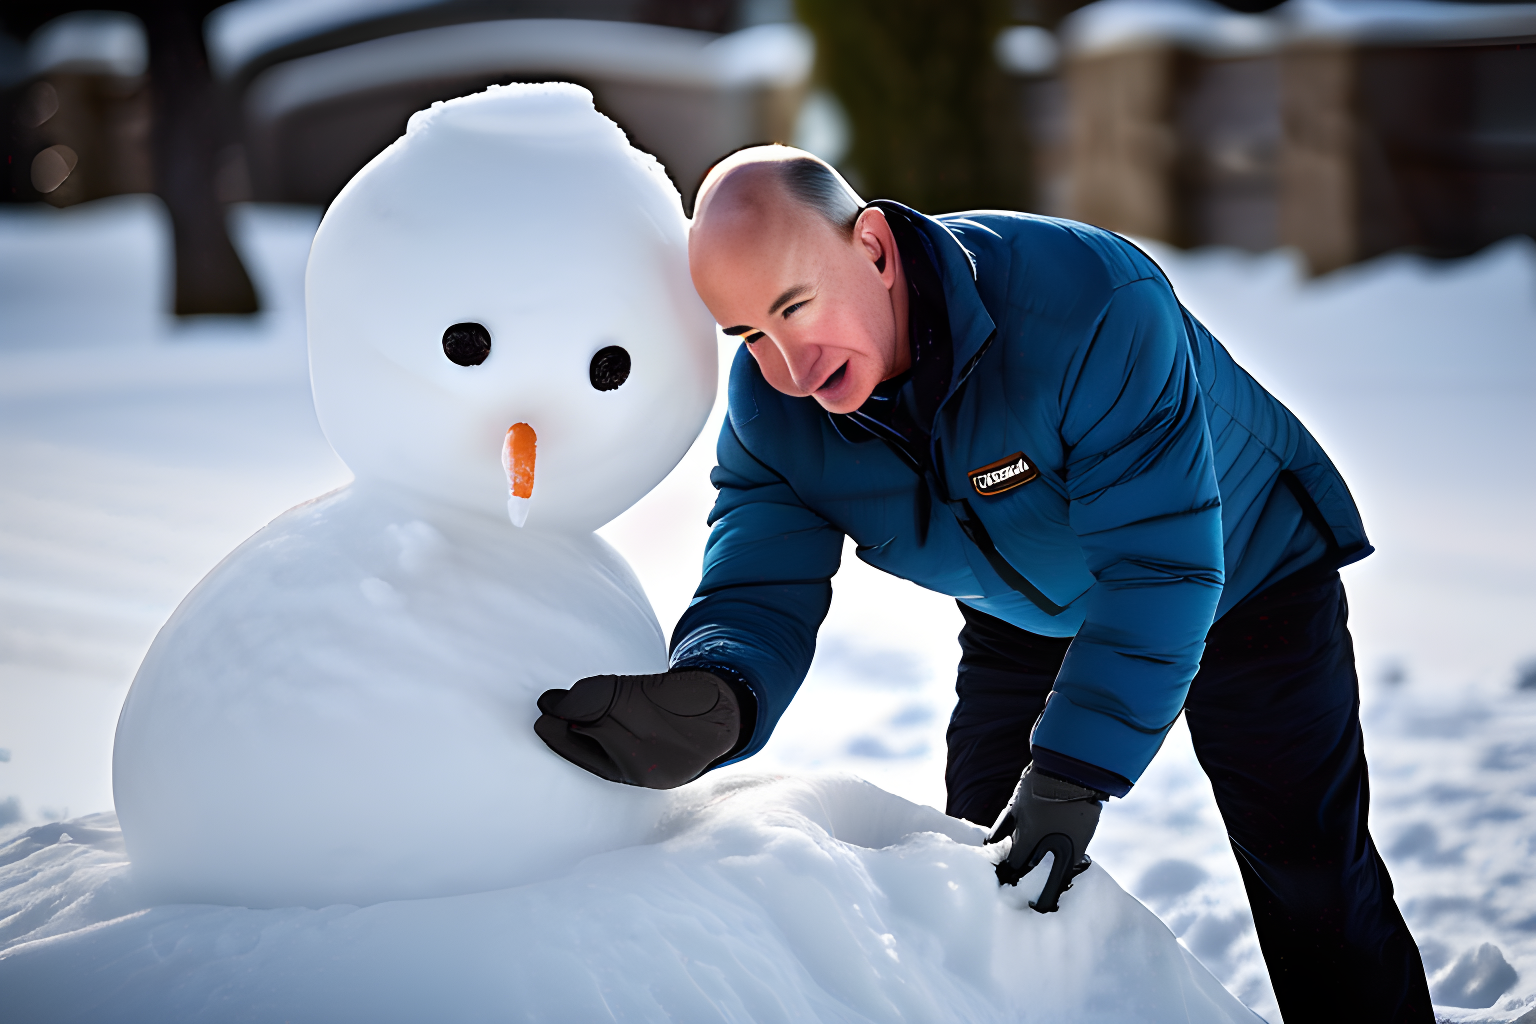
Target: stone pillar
(1318, 165)
(1122, 145)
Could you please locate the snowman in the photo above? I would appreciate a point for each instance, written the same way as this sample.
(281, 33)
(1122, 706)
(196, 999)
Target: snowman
(506, 351)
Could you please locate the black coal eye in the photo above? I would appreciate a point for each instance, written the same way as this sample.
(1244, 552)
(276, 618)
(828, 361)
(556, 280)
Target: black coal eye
(467, 344)
(610, 368)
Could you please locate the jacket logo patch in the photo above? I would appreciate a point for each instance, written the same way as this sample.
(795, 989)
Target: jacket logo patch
(1003, 475)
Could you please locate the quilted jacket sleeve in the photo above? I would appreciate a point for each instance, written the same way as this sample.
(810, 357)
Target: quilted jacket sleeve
(1144, 503)
(766, 587)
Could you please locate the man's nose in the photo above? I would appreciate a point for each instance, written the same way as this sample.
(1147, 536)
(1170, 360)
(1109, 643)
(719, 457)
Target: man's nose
(801, 361)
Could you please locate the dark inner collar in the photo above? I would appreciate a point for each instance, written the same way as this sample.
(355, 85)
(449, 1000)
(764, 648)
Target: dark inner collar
(908, 402)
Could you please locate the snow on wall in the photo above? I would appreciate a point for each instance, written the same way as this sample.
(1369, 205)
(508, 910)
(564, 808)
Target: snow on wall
(1207, 27)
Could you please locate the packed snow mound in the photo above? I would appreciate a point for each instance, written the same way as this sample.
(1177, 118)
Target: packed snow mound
(757, 899)
(500, 322)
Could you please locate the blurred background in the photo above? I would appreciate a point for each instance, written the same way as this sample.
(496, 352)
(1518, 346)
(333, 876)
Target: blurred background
(1343, 190)
(1342, 128)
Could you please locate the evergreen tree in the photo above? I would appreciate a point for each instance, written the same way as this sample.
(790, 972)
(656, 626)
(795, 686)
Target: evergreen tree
(933, 119)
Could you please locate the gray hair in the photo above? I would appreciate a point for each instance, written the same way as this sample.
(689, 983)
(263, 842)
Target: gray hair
(818, 187)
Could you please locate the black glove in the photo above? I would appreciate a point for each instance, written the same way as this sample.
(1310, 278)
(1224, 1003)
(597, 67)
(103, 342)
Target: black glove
(655, 731)
(1047, 815)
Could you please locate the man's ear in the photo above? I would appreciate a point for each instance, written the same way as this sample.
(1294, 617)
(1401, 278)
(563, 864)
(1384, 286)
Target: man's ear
(872, 232)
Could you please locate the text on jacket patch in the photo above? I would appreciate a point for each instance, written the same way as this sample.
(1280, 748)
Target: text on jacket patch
(1003, 475)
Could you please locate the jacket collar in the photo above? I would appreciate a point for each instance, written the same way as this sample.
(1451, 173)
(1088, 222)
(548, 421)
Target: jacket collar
(970, 325)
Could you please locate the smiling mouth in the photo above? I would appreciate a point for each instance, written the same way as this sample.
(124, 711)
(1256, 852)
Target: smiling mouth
(835, 379)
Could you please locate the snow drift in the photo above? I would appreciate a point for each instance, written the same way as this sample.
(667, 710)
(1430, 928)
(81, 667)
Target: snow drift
(758, 899)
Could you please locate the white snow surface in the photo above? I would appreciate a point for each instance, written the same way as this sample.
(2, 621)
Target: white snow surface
(134, 454)
(759, 899)
(365, 650)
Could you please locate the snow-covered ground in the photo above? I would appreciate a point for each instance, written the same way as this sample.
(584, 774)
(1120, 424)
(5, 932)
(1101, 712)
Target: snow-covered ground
(760, 899)
(135, 454)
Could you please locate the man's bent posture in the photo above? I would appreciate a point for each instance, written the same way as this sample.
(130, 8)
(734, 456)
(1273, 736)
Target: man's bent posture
(1016, 411)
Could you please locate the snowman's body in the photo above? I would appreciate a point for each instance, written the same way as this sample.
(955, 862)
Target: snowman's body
(342, 710)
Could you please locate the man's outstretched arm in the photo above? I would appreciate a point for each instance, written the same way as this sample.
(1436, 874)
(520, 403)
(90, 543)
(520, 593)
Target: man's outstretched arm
(766, 587)
(739, 653)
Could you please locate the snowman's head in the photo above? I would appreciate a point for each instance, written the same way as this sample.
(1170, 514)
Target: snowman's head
(499, 303)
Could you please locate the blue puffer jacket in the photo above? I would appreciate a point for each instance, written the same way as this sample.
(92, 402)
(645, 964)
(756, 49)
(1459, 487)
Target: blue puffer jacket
(1163, 485)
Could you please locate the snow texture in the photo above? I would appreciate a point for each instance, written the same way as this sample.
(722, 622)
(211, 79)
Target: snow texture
(365, 652)
(134, 454)
(757, 899)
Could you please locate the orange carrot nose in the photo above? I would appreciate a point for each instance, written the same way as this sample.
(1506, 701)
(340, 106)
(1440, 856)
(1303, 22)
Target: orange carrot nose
(517, 458)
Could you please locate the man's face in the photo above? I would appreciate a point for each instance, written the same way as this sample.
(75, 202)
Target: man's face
(818, 310)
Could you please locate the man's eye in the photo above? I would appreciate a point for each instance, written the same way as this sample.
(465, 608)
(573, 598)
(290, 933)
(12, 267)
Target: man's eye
(791, 308)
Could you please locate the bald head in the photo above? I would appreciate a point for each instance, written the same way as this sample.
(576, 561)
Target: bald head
(788, 258)
(763, 177)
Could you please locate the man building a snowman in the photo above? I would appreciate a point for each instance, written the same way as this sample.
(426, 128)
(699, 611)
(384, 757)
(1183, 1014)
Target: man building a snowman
(1016, 411)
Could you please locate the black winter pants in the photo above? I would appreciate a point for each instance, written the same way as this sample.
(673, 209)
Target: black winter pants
(1274, 715)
